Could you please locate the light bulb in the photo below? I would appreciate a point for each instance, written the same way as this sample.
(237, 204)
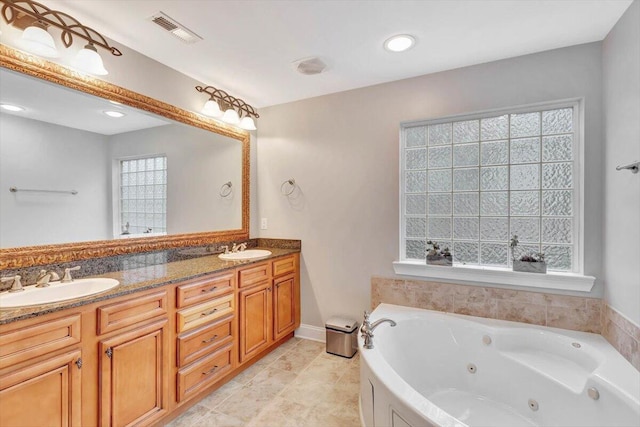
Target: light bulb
(88, 60)
(231, 116)
(399, 43)
(36, 39)
(211, 109)
(247, 123)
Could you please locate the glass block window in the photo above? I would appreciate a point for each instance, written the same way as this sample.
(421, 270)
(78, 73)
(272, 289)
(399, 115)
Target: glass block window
(471, 183)
(143, 195)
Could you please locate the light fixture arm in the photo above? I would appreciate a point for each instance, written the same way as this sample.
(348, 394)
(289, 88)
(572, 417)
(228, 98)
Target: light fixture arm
(224, 99)
(70, 26)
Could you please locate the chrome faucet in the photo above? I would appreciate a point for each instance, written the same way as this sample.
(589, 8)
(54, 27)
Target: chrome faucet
(67, 274)
(225, 247)
(16, 286)
(366, 330)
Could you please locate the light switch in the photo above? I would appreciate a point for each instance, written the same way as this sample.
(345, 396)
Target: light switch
(263, 224)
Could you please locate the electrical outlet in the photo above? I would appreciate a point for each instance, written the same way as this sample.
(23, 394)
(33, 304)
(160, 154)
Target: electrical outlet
(263, 224)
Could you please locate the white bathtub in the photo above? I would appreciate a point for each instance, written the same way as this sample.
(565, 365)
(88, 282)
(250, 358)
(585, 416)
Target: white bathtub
(437, 369)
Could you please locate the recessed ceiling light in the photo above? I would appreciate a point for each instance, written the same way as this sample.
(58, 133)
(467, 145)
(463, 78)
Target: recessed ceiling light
(11, 107)
(399, 43)
(116, 114)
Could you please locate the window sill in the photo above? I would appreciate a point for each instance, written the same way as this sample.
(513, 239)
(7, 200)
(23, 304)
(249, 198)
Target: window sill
(500, 276)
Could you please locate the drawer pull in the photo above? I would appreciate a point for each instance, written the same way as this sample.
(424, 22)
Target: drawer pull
(209, 312)
(209, 290)
(210, 371)
(213, 338)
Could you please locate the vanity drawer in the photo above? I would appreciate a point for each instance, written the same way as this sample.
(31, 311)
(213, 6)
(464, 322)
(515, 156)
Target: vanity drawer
(203, 340)
(284, 266)
(200, 314)
(205, 372)
(32, 341)
(254, 275)
(205, 288)
(130, 312)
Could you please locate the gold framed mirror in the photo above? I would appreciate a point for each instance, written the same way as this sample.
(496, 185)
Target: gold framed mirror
(25, 256)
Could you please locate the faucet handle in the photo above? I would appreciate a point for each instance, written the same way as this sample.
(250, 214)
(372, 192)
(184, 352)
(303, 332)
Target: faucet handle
(225, 247)
(67, 274)
(16, 286)
(366, 315)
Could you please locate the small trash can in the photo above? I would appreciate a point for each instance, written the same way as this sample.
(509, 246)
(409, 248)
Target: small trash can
(342, 336)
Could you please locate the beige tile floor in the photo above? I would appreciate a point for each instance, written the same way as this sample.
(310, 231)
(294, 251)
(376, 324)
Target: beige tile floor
(296, 385)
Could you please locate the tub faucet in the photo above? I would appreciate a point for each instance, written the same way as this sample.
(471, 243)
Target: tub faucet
(367, 328)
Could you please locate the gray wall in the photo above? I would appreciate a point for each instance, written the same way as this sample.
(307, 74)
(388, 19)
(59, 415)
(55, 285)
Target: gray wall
(342, 149)
(39, 155)
(621, 250)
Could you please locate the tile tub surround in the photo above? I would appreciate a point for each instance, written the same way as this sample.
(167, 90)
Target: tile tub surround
(298, 384)
(622, 334)
(138, 278)
(558, 311)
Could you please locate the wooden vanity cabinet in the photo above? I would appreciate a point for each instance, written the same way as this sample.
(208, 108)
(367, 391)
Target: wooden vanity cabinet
(41, 358)
(148, 356)
(206, 345)
(269, 304)
(133, 360)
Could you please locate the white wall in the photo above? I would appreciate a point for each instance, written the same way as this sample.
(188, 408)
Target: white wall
(342, 149)
(198, 163)
(39, 155)
(621, 83)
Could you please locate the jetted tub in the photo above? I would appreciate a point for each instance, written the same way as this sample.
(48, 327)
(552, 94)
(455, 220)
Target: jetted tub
(437, 369)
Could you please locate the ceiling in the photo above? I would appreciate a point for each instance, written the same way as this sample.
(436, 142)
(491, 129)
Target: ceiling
(56, 104)
(249, 45)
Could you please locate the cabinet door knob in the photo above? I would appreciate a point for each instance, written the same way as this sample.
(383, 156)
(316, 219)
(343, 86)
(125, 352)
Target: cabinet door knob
(109, 352)
(79, 363)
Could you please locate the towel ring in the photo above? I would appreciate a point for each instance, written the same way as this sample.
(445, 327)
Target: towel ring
(225, 190)
(292, 183)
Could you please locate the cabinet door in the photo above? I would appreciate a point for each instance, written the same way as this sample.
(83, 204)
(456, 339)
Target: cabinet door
(44, 394)
(255, 320)
(284, 306)
(133, 376)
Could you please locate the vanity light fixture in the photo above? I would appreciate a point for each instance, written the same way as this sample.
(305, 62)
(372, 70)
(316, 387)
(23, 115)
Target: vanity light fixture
(399, 43)
(228, 108)
(11, 107)
(37, 39)
(114, 114)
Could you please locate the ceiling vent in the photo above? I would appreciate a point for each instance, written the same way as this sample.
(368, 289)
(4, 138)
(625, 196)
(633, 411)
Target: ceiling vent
(309, 66)
(175, 28)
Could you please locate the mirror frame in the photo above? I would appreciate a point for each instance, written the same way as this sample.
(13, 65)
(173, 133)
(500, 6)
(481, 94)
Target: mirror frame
(27, 256)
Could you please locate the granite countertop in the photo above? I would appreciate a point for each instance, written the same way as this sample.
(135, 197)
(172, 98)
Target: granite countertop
(143, 278)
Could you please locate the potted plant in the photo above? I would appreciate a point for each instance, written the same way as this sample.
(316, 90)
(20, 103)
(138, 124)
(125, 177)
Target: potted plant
(437, 256)
(529, 263)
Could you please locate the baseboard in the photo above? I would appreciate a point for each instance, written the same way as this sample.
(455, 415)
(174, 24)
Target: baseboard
(310, 332)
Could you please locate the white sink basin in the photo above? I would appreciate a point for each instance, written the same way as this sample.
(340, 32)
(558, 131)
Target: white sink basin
(57, 292)
(244, 255)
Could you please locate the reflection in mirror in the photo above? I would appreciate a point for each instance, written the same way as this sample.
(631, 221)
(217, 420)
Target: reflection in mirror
(135, 175)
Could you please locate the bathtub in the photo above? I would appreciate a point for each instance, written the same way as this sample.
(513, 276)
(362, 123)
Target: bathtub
(441, 369)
